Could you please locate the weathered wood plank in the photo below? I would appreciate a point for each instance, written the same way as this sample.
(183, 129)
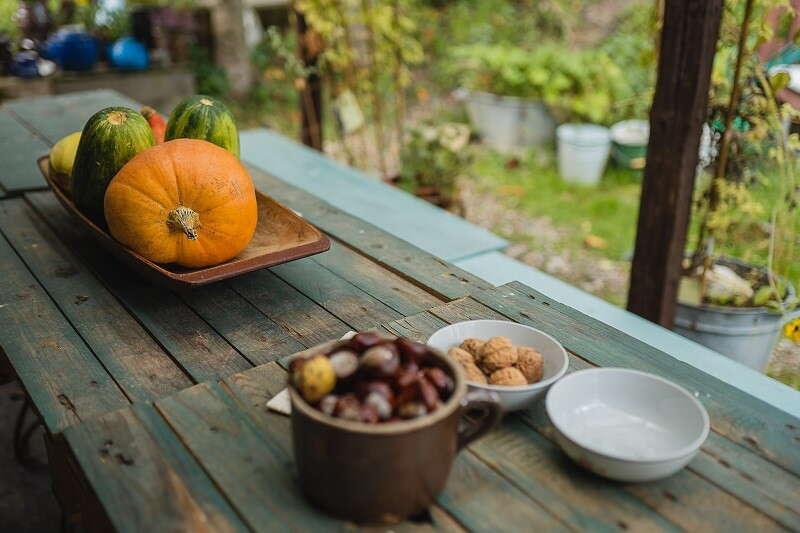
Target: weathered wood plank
(577, 497)
(402, 258)
(338, 296)
(253, 334)
(57, 369)
(760, 483)
(391, 289)
(53, 117)
(686, 499)
(193, 344)
(252, 469)
(21, 149)
(132, 480)
(139, 366)
(306, 321)
(418, 327)
(737, 415)
(186, 466)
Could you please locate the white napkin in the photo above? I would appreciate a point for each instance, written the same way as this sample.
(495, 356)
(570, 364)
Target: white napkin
(281, 402)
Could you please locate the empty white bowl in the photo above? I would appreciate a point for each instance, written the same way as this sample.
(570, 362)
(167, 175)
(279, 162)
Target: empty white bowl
(511, 398)
(626, 425)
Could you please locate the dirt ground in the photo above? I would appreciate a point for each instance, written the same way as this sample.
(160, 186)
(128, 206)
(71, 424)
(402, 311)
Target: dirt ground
(27, 504)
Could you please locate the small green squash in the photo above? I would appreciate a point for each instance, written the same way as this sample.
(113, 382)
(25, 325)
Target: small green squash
(110, 139)
(206, 118)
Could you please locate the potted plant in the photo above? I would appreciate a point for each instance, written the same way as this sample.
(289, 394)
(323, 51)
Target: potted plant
(736, 305)
(516, 96)
(431, 160)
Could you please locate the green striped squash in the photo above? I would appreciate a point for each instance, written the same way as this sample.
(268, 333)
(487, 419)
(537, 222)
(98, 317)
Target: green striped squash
(110, 139)
(206, 118)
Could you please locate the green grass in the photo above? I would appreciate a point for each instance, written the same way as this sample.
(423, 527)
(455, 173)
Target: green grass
(608, 211)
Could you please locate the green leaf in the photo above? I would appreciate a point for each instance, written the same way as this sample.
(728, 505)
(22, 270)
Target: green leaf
(779, 80)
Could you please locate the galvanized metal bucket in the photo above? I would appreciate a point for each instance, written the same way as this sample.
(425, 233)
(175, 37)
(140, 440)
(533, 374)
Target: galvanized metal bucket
(745, 334)
(508, 123)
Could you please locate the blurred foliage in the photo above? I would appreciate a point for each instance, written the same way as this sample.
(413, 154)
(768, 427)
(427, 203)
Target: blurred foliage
(576, 85)
(433, 157)
(210, 78)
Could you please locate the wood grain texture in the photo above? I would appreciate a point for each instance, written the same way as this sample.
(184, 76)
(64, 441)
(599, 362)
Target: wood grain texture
(139, 366)
(175, 454)
(247, 329)
(54, 117)
(133, 481)
(254, 471)
(402, 258)
(338, 296)
(193, 344)
(59, 372)
(680, 105)
(21, 149)
(735, 414)
(306, 321)
(391, 289)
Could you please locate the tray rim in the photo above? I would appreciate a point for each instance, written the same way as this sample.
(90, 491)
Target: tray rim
(197, 277)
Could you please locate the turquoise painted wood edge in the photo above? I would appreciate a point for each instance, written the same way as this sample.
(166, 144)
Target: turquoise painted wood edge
(390, 209)
(500, 269)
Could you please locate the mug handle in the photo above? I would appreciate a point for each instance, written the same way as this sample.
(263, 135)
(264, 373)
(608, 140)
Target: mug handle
(480, 412)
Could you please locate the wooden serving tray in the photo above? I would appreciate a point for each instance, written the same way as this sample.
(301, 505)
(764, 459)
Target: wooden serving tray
(281, 236)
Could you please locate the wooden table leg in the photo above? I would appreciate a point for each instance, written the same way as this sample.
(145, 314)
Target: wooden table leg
(81, 508)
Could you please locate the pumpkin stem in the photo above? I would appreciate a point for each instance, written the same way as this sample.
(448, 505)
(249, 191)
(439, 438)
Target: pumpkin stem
(184, 219)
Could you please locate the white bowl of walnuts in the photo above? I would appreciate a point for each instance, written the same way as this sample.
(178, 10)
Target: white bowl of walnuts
(517, 362)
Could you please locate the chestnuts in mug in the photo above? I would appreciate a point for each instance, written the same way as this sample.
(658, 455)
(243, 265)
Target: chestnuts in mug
(374, 473)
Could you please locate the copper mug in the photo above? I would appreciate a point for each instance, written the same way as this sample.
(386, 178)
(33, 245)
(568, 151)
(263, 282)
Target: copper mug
(384, 473)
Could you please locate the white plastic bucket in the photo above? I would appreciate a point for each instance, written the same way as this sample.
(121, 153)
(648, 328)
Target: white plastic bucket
(582, 152)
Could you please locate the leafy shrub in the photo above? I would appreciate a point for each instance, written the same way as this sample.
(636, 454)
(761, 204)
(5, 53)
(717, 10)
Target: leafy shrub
(576, 85)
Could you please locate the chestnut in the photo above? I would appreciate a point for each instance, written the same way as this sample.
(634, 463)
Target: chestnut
(328, 404)
(381, 360)
(439, 378)
(411, 350)
(382, 406)
(344, 362)
(348, 408)
(365, 388)
(428, 393)
(365, 340)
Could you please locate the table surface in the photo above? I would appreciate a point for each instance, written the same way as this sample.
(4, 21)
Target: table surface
(159, 397)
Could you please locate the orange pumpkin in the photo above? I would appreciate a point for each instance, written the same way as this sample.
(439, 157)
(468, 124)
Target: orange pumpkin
(186, 201)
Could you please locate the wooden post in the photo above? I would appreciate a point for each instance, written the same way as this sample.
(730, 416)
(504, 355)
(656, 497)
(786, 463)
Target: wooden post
(688, 41)
(310, 46)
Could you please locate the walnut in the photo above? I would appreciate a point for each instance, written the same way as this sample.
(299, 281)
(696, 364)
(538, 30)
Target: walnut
(473, 346)
(510, 377)
(497, 353)
(473, 373)
(530, 363)
(462, 356)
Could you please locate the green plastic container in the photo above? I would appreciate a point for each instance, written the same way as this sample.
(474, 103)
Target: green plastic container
(629, 143)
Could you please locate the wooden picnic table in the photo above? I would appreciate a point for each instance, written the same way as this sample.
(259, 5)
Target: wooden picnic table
(154, 401)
